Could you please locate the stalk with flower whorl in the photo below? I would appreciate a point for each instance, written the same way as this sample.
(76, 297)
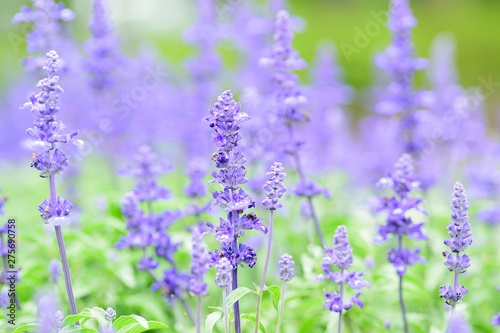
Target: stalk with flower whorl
(148, 230)
(199, 267)
(274, 191)
(225, 121)
(223, 279)
(402, 180)
(340, 256)
(400, 63)
(102, 49)
(288, 101)
(460, 239)
(46, 17)
(46, 134)
(286, 273)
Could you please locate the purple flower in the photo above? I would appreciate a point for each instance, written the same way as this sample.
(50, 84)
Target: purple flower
(54, 270)
(274, 187)
(199, 263)
(286, 264)
(459, 241)
(110, 314)
(402, 180)
(223, 276)
(102, 48)
(399, 62)
(146, 169)
(47, 130)
(225, 121)
(147, 263)
(496, 320)
(196, 172)
(46, 17)
(2, 203)
(283, 61)
(56, 213)
(340, 257)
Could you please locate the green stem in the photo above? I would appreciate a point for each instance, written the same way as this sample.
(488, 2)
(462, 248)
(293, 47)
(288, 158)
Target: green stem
(224, 306)
(282, 307)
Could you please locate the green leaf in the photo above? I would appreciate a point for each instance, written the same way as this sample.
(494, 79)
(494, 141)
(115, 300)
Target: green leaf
(73, 328)
(275, 292)
(212, 318)
(252, 319)
(237, 294)
(136, 324)
(28, 328)
(86, 314)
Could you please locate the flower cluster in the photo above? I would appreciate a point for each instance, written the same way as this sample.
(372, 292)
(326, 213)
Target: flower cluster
(460, 239)
(283, 61)
(199, 263)
(149, 229)
(46, 17)
(102, 48)
(274, 187)
(402, 180)
(225, 120)
(46, 133)
(286, 264)
(223, 276)
(340, 256)
(398, 60)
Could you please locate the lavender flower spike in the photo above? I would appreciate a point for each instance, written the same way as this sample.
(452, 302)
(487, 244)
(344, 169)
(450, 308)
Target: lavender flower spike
(199, 267)
(223, 279)
(460, 239)
(286, 273)
(46, 134)
(274, 191)
(399, 61)
(288, 100)
(402, 180)
(102, 48)
(340, 257)
(225, 121)
(46, 17)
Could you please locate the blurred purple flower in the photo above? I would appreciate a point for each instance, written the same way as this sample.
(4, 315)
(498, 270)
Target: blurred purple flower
(286, 267)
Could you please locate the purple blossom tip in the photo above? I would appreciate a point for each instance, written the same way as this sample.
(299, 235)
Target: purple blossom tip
(274, 187)
(223, 276)
(110, 314)
(286, 265)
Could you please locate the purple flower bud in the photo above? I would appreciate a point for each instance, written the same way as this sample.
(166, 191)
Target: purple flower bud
(274, 187)
(110, 314)
(286, 264)
(54, 270)
(199, 263)
(223, 276)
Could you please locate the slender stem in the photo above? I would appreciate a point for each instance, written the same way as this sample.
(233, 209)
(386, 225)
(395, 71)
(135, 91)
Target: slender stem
(401, 300)
(167, 290)
(198, 314)
(237, 324)
(266, 267)
(269, 245)
(339, 329)
(282, 307)
(62, 251)
(65, 266)
(302, 175)
(224, 306)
